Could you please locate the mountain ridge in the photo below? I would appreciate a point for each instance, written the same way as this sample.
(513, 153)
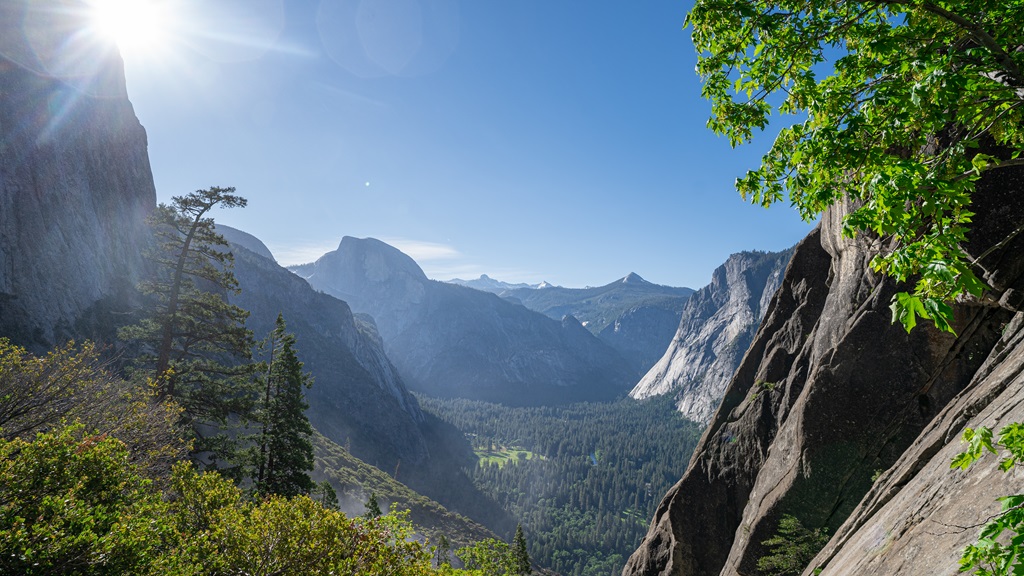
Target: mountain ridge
(635, 317)
(450, 340)
(358, 396)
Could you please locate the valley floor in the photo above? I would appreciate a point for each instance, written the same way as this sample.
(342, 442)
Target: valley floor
(583, 479)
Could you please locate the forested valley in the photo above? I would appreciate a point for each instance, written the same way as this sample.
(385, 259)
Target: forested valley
(582, 479)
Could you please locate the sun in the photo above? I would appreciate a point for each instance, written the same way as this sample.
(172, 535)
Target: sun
(137, 26)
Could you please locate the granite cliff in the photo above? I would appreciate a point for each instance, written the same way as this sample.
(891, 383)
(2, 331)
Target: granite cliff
(716, 327)
(75, 180)
(831, 394)
(448, 340)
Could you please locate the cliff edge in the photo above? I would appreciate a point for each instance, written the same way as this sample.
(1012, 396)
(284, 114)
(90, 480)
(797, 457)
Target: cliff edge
(831, 394)
(75, 179)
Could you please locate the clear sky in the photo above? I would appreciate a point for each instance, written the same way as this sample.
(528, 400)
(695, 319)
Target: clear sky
(529, 140)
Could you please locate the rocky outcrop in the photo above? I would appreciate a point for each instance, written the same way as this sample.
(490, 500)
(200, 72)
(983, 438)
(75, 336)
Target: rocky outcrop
(75, 180)
(448, 340)
(830, 393)
(919, 515)
(716, 327)
(635, 317)
(358, 399)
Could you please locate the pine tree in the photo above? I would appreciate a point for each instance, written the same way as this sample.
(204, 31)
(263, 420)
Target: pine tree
(372, 508)
(442, 555)
(194, 346)
(520, 557)
(325, 494)
(285, 445)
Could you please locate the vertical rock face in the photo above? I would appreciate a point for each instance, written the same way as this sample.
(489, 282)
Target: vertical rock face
(75, 181)
(831, 392)
(717, 325)
(911, 520)
(920, 515)
(449, 340)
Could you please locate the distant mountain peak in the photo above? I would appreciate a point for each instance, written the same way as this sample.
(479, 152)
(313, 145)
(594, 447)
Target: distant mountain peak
(634, 278)
(546, 284)
(488, 284)
(379, 260)
(245, 240)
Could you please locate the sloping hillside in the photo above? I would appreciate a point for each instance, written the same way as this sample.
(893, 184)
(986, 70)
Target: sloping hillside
(355, 481)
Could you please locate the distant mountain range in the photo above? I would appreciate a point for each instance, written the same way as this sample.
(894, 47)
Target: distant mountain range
(452, 341)
(635, 317)
(358, 398)
(488, 284)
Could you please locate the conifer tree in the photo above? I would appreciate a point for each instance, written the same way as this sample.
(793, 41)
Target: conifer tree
(520, 557)
(194, 345)
(443, 552)
(372, 508)
(285, 445)
(325, 494)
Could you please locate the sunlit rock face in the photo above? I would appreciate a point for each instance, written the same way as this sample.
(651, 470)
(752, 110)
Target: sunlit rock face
(358, 399)
(843, 420)
(75, 180)
(453, 341)
(717, 325)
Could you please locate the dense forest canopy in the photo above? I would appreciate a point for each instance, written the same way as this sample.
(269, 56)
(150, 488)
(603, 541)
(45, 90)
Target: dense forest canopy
(583, 479)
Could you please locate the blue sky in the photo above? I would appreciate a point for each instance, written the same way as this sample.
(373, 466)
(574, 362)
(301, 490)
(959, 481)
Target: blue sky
(529, 139)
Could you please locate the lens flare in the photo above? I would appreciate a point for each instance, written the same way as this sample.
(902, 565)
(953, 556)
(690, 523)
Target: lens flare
(137, 26)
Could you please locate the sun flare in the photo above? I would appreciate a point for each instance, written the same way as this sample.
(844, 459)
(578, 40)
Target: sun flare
(137, 26)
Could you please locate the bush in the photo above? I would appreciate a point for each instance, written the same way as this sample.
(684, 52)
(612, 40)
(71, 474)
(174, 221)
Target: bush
(73, 504)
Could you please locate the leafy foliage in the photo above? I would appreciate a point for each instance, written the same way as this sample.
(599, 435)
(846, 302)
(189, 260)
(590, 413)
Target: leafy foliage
(72, 383)
(792, 548)
(491, 557)
(899, 108)
(72, 502)
(999, 550)
(599, 471)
